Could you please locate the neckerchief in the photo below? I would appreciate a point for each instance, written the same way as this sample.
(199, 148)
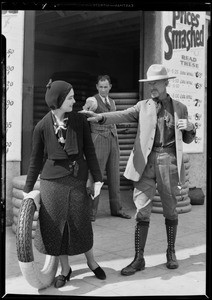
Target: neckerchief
(158, 104)
(60, 129)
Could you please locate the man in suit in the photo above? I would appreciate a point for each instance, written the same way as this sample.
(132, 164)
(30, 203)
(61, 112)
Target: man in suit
(156, 158)
(106, 144)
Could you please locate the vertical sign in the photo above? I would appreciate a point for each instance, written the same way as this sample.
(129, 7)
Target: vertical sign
(184, 57)
(13, 30)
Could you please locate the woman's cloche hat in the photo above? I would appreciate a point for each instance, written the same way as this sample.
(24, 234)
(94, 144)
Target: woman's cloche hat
(56, 93)
(156, 72)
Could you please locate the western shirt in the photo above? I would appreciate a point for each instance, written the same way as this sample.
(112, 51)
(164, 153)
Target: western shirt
(165, 133)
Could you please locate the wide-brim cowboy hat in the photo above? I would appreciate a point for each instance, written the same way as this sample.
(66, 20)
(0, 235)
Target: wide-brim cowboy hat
(156, 72)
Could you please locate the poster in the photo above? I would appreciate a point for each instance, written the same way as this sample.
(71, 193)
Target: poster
(184, 57)
(13, 30)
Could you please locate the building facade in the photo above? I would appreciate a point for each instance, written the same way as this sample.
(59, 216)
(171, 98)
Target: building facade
(77, 46)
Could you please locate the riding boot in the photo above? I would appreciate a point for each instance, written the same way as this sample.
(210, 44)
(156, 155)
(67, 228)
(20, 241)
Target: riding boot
(171, 230)
(138, 263)
(94, 208)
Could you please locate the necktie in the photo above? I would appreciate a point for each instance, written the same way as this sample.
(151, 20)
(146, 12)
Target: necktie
(107, 104)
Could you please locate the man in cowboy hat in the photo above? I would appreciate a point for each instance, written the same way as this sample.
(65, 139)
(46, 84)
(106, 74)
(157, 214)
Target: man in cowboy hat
(156, 158)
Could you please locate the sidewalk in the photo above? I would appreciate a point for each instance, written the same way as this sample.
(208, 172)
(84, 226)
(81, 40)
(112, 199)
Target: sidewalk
(114, 249)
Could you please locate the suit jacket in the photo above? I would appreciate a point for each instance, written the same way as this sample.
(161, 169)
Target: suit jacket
(144, 112)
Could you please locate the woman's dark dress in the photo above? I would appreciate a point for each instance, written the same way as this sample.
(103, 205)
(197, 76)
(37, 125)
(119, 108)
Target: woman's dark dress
(64, 226)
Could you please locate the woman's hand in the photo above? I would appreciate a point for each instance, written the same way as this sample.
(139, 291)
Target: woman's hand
(24, 195)
(35, 195)
(97, 188)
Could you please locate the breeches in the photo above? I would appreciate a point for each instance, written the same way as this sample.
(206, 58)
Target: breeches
(161, 172)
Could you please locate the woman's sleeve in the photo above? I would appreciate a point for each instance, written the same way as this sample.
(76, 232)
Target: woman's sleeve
(90, 153)
(36, 159)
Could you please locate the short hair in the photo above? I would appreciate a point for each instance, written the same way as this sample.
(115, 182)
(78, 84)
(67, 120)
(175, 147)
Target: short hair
(103, 77)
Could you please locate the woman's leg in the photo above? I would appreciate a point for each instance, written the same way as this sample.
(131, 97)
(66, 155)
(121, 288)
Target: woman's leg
(64, 264)
(90, 259)
(92, 264)
(65, 272)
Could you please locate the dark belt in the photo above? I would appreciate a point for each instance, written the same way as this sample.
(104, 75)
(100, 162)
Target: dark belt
(164, 149)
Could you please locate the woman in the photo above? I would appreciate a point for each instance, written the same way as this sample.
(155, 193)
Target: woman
(63, 152)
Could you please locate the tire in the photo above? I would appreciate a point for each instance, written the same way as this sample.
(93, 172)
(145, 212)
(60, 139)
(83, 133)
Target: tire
(14, 229)
(182, 192)
(127, 125)
(180, 210)
(39, 279)
(120, 95)
(126, 130)
(184, 202)
(127, 141)
(16, 202)
(34, 223)
(179, 198)
(17, 193)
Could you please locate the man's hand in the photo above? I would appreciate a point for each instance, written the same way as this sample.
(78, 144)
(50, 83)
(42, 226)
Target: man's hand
(90, 104)
(92, 116)
(184, 124)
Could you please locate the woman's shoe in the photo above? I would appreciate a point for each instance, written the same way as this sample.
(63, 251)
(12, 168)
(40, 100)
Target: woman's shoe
(99, 272)
(61, 279)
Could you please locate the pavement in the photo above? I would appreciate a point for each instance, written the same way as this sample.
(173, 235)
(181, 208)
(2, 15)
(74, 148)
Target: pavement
(114, 249)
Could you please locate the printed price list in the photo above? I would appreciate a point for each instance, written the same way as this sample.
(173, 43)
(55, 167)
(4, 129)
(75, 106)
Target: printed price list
(184, 58)
(187, 88)
(13, 30)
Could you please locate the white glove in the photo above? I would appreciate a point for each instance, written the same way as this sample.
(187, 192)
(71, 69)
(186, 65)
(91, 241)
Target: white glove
(97, 188)
(35, 195)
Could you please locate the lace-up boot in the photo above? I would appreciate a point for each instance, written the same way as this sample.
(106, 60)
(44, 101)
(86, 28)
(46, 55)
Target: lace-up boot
(171, 230)
(138, 264)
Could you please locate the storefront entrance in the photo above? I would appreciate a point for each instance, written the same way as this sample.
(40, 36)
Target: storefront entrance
(77, 46)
